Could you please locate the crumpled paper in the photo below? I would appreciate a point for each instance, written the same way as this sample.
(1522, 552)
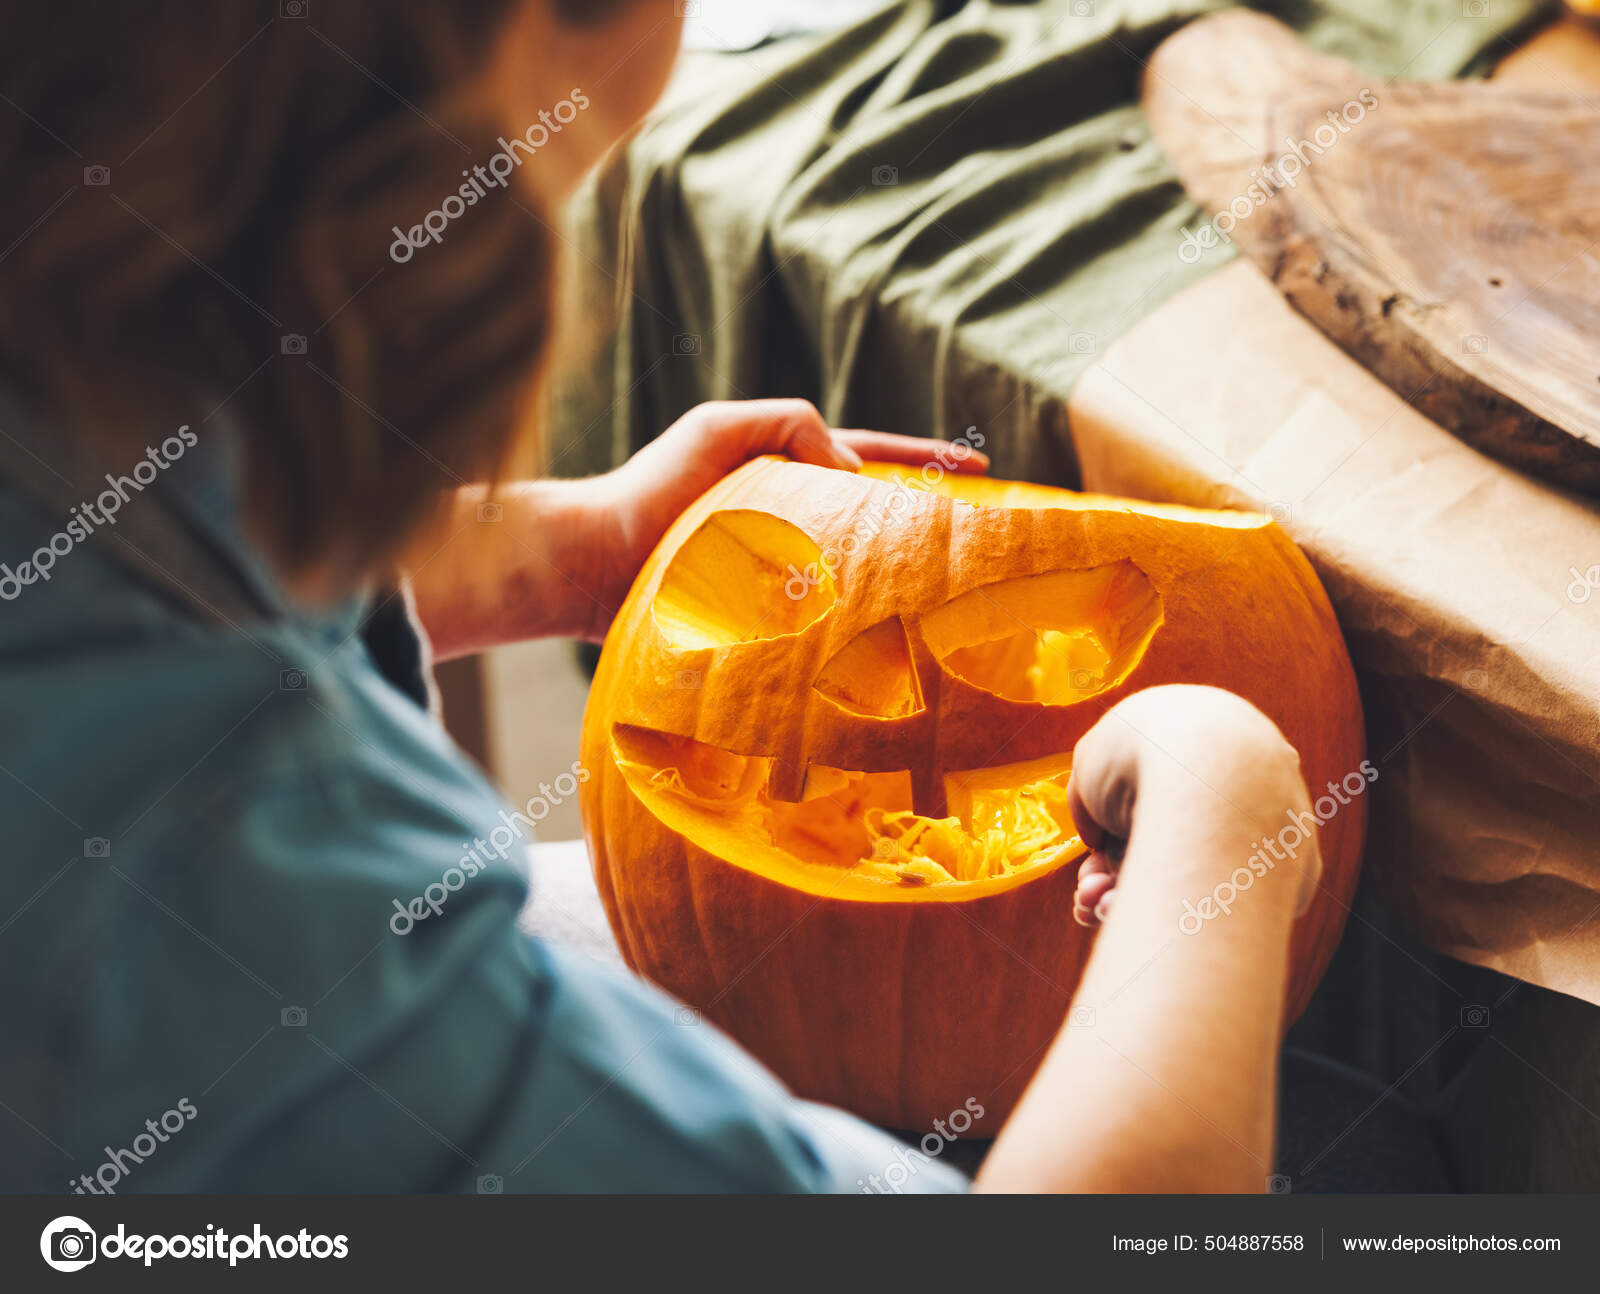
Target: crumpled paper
(1468, 593)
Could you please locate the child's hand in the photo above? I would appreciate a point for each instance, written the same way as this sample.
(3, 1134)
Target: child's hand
(1177, 1051)
(646, 494)
(1183, 773)
(560, 556)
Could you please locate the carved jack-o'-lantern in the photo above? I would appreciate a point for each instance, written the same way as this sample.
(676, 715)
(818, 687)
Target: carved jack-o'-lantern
(829, 741)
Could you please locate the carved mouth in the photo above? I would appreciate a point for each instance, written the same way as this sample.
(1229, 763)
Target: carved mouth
(855, 834)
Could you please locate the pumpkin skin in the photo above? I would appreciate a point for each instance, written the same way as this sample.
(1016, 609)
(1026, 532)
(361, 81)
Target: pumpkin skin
(805, 628)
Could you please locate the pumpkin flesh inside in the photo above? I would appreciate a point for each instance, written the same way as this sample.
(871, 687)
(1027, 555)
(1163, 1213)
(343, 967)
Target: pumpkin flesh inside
(855, 833)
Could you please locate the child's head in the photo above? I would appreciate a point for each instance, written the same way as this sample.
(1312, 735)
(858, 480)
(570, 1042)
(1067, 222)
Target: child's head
(333, 218)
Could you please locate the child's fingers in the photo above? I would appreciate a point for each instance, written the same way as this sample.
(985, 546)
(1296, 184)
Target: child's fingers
(1096, 881)
(1096, 863)
(1091, 916)
(1091, 889)
(795, 428)
(915, 451)
(726, 433)
(813, 442)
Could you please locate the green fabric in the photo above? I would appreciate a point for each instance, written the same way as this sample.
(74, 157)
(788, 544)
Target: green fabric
(741, 248)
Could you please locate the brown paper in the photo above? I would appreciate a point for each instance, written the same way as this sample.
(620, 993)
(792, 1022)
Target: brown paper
(1463, 588)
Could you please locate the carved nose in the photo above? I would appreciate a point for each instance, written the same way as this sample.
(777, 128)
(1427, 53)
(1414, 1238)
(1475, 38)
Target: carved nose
(928, 796)
(885, 673)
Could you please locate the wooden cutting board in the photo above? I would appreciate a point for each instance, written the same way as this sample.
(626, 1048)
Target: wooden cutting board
(1446, 235)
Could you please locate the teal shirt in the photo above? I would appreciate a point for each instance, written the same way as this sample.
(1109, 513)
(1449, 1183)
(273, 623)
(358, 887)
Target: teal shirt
(206, 831)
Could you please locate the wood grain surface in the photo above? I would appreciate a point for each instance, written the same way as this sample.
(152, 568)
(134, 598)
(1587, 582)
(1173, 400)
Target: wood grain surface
(1446, 235)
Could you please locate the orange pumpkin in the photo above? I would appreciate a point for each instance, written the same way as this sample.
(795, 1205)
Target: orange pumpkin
(829, 740)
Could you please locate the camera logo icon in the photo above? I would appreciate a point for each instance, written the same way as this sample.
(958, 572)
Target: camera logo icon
(1474, 1017)
(686, 343)
(293, 343)
(1080, 1017)
(1081, 343)
(68, 1244)
(1475, 343)
(491, 1184)
(97, 847)
(688, 680)
(1583, 585)
(97, 177)
(293, 1017)
(293, 8)
(491, 512)
(292, 680)
(885, 177)
(1278, 1184)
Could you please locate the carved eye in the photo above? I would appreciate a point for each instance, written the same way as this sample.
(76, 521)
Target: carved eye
(1053, 639)
(872, 674)
(742, 577)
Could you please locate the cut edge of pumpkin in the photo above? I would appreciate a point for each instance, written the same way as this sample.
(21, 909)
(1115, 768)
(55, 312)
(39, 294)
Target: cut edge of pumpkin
(742, 576)
(1055, 638)
(853, 835)
(987, 492)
